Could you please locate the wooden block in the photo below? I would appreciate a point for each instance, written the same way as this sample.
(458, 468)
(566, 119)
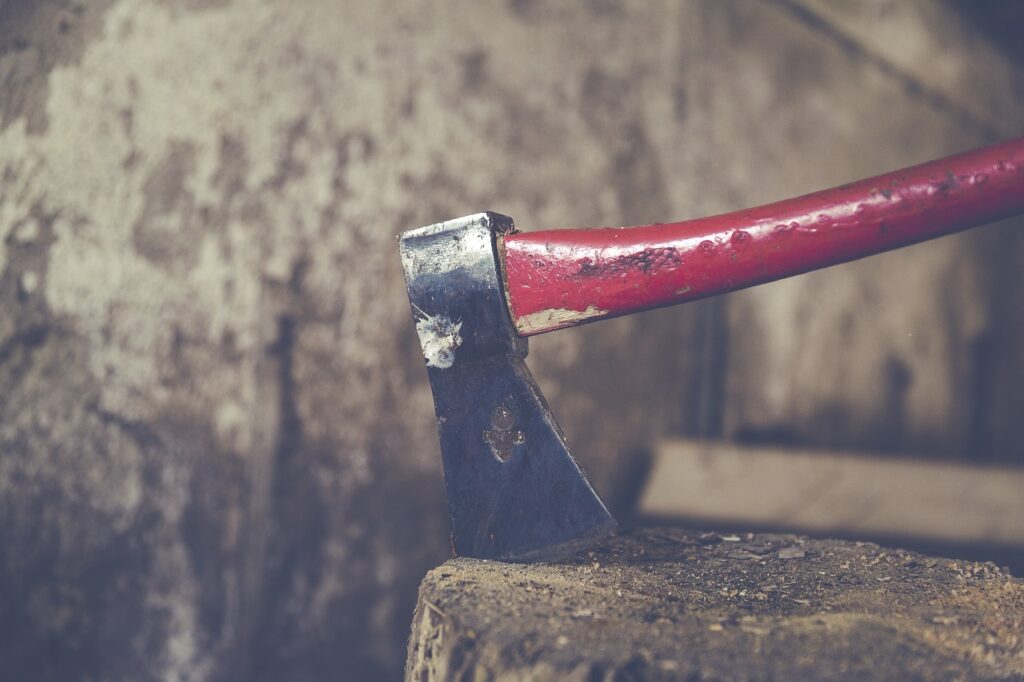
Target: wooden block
(671, 604)
(832, 492)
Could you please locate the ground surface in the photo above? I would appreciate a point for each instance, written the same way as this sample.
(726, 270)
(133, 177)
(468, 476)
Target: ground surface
(673, 604)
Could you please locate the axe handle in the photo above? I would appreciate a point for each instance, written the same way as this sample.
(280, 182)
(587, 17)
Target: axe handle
(561, 278)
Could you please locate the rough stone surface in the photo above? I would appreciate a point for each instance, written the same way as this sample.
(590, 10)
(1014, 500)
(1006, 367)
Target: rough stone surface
(666, 604)
(217, 450)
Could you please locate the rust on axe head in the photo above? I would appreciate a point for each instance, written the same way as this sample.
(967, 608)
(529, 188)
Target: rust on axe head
(514, 490)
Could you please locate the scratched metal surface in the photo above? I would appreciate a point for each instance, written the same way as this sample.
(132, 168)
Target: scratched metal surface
(515, 492)
(219, 457)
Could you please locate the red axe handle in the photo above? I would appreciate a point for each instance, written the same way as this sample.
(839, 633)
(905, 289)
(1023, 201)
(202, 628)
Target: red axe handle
(561, 278)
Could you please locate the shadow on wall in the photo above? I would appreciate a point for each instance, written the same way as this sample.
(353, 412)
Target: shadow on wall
(1000, 21)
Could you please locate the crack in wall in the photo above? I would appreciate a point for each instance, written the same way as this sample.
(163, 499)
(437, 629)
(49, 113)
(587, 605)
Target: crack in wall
(911, 85)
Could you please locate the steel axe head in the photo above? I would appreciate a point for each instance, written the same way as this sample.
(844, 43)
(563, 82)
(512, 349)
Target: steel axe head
(514, 490)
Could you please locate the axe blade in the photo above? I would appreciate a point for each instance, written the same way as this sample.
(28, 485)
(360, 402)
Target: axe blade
(514, 490)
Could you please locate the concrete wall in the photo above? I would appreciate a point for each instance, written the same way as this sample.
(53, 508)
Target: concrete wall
(217, 451)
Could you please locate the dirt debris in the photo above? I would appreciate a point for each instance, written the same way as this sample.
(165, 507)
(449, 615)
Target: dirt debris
(670, 604)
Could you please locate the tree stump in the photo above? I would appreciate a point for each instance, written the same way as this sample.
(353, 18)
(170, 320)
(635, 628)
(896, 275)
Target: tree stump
(673, 604)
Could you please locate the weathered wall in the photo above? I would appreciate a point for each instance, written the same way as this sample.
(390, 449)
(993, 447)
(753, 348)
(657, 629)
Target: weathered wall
(913, 351)
(217, 453)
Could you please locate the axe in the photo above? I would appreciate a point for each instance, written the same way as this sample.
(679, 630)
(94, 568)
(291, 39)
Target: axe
(478, 288)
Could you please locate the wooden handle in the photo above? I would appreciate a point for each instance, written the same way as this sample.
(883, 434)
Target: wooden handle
(561, 278)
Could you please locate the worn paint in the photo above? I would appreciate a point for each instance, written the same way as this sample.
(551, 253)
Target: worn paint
(439, 338)
(565, 277)
(556, 318)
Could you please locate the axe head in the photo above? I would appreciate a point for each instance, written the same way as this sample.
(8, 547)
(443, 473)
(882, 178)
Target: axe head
(514, 491)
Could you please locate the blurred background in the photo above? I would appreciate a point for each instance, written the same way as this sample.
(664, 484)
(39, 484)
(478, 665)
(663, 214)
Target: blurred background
(218, 458)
